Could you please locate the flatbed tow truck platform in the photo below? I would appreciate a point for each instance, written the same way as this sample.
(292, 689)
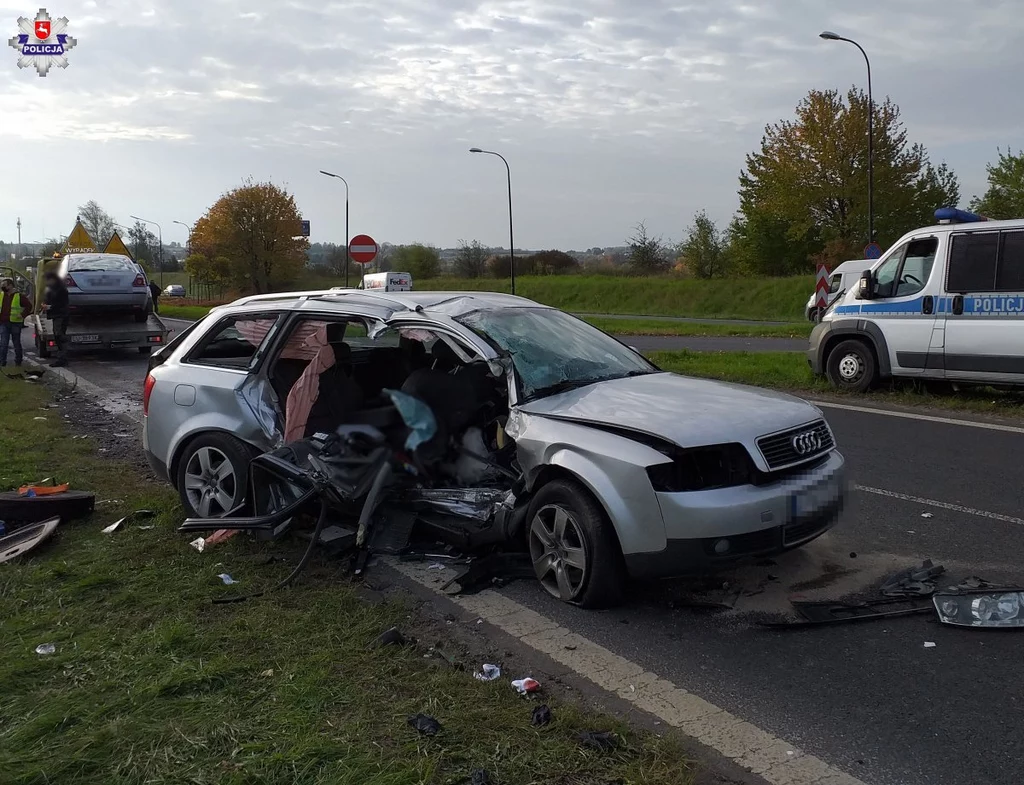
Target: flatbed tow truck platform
(88, 331)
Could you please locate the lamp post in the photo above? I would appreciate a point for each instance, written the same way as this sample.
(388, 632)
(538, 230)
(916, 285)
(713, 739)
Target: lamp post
(347, 261)
(188, 244)
(830, 36)
(511, 241)
(160, 253)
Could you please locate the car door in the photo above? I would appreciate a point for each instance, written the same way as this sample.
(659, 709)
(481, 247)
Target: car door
(904, 307)
(984, 319)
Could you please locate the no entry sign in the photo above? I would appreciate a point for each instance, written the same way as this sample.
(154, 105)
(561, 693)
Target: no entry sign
(362, 249)
(821, 287)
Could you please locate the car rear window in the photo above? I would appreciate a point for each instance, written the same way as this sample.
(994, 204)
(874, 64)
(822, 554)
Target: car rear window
(81, 264)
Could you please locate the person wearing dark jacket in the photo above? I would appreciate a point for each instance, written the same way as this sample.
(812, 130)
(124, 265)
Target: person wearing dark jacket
(154, 290)
(57, 310)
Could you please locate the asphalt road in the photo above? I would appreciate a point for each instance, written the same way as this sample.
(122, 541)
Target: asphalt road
(868, 698)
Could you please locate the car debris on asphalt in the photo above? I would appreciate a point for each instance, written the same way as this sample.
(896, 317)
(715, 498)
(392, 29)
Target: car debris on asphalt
(25, 539)
(488, 673)
(526, 686)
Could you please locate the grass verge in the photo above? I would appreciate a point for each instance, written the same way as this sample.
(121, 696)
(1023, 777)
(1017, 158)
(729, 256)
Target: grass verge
(658, 327)
(189, 313)
(789, 371)
(153, 683)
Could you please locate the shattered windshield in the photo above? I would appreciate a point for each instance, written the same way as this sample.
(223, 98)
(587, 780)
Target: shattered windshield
(552, 351)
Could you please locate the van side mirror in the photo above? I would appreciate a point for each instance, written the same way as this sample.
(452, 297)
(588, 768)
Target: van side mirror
(866, 289)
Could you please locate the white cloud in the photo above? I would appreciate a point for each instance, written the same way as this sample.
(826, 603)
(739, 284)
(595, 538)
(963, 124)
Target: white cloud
(610, 111)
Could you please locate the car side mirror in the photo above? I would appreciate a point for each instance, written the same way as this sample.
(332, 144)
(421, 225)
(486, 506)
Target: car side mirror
(866, 290)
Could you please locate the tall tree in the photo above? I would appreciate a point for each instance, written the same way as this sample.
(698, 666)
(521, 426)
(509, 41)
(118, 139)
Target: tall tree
(97, 222)
(551, 262)
(470, 259)
(1004, 198)
(256, 228)
(703, 250)
(143, 244)
(810, 176)
(420, 261)
(646, 253)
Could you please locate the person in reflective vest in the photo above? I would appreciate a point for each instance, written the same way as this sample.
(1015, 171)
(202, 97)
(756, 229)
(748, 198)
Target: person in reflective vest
(14, 307)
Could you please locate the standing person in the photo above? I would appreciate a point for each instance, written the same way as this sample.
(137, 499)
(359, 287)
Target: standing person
(57, 310)
(154, 289)
(14, 307)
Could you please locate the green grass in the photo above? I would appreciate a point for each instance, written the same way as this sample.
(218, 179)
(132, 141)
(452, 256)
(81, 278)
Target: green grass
(658, 327)
(152, 683)
(770, 299)
(187, 312)
(789, 371)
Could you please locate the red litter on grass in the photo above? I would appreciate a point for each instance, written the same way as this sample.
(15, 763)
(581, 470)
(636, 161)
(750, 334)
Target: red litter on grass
(527, 685)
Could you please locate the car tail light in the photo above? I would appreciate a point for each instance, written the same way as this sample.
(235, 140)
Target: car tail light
(147, 391)
(69, 281)
(140, 281)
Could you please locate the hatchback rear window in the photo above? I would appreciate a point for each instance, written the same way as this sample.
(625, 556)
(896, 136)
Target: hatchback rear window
(234, 342)
(101, 264)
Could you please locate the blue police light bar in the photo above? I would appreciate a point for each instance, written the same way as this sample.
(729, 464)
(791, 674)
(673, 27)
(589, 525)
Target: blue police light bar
(950, 215)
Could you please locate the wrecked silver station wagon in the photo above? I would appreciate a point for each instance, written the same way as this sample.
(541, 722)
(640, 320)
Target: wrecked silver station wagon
(485, 420)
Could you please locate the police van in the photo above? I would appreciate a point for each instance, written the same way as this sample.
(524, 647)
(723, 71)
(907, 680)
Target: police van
(945, 302)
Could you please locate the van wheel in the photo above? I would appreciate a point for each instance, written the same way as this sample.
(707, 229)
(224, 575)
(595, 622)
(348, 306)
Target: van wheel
(575, 553)
(852, 366)
(213, 475)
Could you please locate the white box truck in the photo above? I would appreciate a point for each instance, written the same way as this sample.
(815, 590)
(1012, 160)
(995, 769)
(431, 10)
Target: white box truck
(388, 282)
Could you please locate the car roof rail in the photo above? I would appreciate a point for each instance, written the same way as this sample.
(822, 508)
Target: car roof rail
(334, 294)
(263, 298)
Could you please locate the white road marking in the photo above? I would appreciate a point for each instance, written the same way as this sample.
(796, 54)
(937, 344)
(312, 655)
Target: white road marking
(771, 758)
(989, 426)
(941, 505)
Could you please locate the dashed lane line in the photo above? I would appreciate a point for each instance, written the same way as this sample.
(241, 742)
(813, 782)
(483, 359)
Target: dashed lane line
(941, 505)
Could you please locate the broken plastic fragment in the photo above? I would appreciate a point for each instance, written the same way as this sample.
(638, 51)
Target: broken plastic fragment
(45, 648)
(488, 673)
(436, 566)
(426, 725)
(220, 535)
(927, 515)
(929, 644)
(390, 637)
(524, 686)
(198, 543)
(601, 741)
(113, 527)
(541, 715)
(228, 580)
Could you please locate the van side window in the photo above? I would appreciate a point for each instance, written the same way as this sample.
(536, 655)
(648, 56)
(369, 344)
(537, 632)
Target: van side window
(972, 262)
(837, 281)
(917, 266)
(1010, 274)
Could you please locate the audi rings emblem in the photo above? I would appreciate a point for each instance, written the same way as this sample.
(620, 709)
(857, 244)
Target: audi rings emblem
(806, 442)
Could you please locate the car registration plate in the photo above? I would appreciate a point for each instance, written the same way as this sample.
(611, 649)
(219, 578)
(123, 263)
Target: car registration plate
(103, 280)
(818, 497)
(85, 339)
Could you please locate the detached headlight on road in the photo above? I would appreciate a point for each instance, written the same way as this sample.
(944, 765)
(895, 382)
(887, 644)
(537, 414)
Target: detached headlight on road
(996, 609)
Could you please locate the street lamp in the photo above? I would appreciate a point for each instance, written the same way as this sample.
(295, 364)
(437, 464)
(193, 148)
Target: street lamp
(188, 249)
(511, 241)
(347, 262)
(830, 36)
(160, 254)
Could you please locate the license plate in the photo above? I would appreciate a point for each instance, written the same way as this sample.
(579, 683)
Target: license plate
(816, 498)
(102, 280)
(85, 339)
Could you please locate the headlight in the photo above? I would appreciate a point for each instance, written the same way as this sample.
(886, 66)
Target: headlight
(981, 609)
(703, 469)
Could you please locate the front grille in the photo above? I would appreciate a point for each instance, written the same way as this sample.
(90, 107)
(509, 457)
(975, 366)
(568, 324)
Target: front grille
(794, 533)
(779, 450)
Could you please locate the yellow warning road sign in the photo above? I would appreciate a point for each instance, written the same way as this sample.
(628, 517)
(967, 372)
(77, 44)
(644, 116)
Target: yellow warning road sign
(78, 241)
(116, 245)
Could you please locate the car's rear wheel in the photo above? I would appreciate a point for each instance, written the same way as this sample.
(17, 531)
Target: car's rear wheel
(213, 475)
(575, 553)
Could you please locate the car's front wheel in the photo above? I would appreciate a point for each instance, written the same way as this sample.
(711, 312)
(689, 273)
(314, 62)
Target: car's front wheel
(213, 475)
(575, 553)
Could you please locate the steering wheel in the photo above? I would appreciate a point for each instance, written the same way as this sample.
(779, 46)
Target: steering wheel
(908, 277)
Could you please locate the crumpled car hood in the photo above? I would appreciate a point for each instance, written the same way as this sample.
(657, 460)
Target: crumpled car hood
(687, 411)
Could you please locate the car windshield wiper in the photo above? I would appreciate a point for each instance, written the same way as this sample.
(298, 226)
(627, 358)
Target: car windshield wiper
(560, 387)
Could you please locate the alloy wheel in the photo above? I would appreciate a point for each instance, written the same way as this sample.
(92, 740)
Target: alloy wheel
(558, 551)
(210, 482)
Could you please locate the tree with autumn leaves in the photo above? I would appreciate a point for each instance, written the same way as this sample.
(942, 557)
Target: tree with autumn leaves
(249, 240)
(803, 195)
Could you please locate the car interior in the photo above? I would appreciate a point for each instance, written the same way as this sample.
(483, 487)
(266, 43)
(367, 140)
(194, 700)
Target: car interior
(327, 373)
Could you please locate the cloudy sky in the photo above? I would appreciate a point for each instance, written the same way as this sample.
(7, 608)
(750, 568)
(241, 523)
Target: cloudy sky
(609, 111)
